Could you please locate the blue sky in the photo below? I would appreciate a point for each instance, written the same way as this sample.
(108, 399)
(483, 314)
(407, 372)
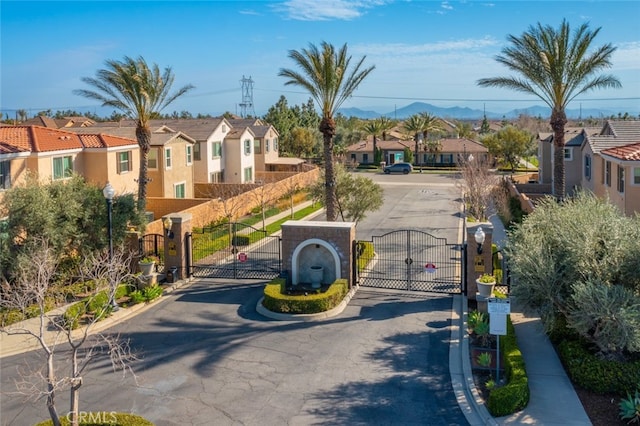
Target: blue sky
(430, 51)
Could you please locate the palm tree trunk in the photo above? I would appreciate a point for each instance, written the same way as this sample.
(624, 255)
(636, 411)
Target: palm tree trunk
(375, 152)
(327, 127)
(558, 121)
(143, 134)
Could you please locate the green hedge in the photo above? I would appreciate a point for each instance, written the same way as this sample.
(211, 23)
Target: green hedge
(365, 254)
(276, 299)
(112, 419)
(513, 396)
(598, 375)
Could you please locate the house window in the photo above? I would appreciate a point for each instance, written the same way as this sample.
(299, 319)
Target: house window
(620, 179)
(216, 150)
(353, 157)
(167, 158)
(636, 176)
(62, 167)
(275, 144)
(266, 145)
(568, 154)
(607, 173)
(152, 159)
(248, 174)
(365, 158)
(5, 174)
(446, 158)
(224, 128)
(124, 162)
(196, 151)
(256, 146)
(216, 177)
(587, 167)
(179, 190)
(247, 146)
(189, 155)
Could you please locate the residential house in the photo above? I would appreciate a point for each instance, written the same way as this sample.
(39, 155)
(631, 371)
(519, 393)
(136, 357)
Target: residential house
(446, 152)
(170, 163)
(58, 123)
(573, 139)
(239, 156)
(601, 161)
(56, 154)
(392, 151)
(621, 177)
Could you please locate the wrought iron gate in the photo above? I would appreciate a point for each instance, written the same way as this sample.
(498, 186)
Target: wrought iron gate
(153, 245)
(410, 260)
(234, 250)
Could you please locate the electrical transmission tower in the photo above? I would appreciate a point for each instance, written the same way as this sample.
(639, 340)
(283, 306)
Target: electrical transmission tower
(246, 106)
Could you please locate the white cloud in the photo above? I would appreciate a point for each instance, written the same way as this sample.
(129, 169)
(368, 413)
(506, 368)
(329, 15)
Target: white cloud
(627, 56)
(314, 10)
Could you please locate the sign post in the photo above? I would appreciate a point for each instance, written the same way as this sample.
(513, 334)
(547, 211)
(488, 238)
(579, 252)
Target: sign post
(498, 311)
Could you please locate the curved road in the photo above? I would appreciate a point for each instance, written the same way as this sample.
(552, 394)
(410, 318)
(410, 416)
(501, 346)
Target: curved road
(207, 358)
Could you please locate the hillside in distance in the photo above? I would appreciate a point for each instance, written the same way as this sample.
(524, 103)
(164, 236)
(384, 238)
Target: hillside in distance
(465, 113)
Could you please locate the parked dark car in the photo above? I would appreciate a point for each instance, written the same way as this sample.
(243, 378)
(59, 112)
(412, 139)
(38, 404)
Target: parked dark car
(404, 168)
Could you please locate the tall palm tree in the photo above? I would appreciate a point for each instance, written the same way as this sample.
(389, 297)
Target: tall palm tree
(414, 126)
(431, 124)
(327, 76)
(140, 92)
(373, 128)
(555, 66)
(386, 124)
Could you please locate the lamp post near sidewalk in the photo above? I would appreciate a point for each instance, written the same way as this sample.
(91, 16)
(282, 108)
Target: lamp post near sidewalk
(108, 193)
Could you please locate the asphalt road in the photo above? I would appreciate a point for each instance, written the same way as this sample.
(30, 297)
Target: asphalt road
(206, 357)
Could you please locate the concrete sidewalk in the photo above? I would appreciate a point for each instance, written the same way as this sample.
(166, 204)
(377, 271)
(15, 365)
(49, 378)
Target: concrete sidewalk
(553, 399)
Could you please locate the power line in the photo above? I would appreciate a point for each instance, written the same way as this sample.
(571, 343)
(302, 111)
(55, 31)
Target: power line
(454, 99)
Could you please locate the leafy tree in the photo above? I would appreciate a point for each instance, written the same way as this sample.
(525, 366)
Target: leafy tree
(356, 195)
(140, 92)
(408, 155)
(31, 289)
(464, 129)
(565, 259)
(284, 120)
(303, 142)
(554, 66)
(326, 74)
(509, 144)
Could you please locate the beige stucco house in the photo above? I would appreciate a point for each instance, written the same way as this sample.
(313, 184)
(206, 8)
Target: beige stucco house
(620, 179)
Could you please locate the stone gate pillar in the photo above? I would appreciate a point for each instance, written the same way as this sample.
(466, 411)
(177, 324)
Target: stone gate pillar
(175, 250)
(478, 264)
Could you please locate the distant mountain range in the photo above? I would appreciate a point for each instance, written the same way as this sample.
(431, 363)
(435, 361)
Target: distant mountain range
(463, 113)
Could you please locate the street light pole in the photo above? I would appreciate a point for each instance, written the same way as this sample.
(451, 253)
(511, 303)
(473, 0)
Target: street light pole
(108, 193)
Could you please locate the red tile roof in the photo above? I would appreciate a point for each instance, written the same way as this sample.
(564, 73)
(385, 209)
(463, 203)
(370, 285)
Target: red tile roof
(44, 139)
(625, 152)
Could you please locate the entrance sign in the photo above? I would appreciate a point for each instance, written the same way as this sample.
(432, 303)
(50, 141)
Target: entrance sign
(498, 324)
(498, 306)
(430, 268)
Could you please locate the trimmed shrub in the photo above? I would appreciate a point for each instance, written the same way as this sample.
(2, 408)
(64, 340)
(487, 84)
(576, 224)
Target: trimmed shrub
(240, 240)
(513, 396)
(593, 373)
(111, 419)
(365, 254)
(73, 314)
(276, 299)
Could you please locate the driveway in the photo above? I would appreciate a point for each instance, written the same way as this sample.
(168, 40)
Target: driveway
(207, 357)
